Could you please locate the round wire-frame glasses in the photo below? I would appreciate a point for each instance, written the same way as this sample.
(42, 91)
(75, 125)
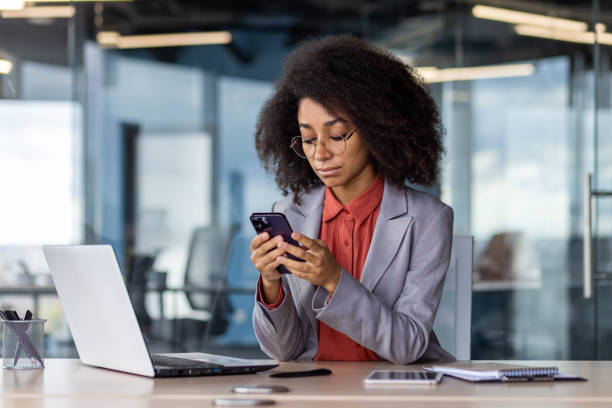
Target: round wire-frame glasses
(306, 148)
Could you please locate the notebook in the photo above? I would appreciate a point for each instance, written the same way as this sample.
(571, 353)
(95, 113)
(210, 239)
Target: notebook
(501, 372)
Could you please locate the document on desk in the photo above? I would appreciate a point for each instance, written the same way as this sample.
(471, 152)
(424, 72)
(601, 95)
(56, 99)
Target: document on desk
(501, 372)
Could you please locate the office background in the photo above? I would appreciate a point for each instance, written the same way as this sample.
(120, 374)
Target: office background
(150, 149)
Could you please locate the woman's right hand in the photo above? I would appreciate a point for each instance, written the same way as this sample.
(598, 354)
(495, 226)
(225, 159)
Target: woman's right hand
(264, 252)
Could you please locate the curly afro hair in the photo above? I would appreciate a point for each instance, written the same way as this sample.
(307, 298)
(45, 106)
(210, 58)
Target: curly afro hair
(384, 98)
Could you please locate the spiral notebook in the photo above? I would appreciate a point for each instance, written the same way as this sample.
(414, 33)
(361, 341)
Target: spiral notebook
(501, 372)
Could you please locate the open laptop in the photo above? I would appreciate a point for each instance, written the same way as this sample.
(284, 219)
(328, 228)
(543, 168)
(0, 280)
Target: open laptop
(101, 318)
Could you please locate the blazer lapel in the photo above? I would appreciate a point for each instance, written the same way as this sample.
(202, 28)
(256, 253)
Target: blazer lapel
(306, 219)
(308, 213)
(391, 226)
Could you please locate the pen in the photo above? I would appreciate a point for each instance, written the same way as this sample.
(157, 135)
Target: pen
(28, 316)
(291, 374)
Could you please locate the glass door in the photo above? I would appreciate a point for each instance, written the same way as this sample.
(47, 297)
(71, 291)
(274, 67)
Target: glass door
(598, 195)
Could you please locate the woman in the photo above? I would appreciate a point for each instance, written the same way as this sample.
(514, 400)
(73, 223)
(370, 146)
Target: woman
(347, 126)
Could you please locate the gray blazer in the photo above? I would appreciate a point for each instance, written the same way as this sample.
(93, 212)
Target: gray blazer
(392, 309)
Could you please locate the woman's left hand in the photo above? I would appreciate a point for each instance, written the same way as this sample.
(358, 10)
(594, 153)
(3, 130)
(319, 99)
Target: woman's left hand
(320, 267)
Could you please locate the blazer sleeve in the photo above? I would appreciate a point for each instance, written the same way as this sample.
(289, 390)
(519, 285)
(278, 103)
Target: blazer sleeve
(399, 334)
(279, 331)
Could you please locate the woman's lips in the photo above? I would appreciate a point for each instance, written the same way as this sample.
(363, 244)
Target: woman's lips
(328, 171)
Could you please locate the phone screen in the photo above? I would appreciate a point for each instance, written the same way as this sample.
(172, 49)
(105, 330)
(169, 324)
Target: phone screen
(275, 224)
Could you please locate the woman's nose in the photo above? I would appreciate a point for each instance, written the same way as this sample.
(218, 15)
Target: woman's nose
(320, 151)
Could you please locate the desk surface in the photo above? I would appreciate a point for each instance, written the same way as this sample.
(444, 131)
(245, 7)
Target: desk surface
(68, 383)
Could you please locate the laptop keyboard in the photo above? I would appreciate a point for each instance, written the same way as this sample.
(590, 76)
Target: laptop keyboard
(177, 362)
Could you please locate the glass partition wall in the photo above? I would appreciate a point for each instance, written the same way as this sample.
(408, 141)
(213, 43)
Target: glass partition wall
(522, 104)
(151, 150)
(41, 156)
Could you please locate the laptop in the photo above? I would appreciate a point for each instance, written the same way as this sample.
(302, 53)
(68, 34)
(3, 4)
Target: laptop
(101, 318)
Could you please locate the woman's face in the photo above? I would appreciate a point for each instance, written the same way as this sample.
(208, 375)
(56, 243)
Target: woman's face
(351, 169)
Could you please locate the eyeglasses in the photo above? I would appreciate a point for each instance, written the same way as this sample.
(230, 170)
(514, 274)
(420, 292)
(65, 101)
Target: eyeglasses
(305, 147)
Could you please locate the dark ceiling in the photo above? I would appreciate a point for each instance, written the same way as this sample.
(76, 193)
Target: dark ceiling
(303, 18)
(437, 28)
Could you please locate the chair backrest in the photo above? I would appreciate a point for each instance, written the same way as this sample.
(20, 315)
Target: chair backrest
(206, 262)
(242, 275)
(453, 322)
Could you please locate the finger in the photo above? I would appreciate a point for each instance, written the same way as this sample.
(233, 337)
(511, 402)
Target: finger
(270, 271)
(258, 240)
(295, 251)
(321, 243)
(293, 265)
(267, 246)
(304, 240)
(299, 274)
(262, 261)
(273, 255)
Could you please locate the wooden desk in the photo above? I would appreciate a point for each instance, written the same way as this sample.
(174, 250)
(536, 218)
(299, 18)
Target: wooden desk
(68, 383)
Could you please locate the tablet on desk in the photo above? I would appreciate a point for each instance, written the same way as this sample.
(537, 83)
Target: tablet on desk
(390, 377)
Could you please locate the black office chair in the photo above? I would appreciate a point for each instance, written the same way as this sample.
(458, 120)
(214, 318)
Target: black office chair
(205, 272)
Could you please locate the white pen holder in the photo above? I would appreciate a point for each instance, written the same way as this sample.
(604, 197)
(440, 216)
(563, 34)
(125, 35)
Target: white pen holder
(23, 343)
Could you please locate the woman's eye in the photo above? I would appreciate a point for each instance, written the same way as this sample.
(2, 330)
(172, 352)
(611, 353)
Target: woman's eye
(310, 140)
(336, 138)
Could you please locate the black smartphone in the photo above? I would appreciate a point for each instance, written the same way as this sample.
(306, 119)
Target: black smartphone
(275, 224)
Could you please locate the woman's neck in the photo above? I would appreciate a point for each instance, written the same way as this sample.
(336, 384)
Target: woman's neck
(347, 192)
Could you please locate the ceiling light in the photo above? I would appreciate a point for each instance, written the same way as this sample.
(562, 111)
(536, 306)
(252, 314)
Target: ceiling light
(40, 12)
(5, 66)
(433, 74)
(108, 38)
(587, 37)
(164, 40)
(521, 17)
(75, 1)
(12, 4)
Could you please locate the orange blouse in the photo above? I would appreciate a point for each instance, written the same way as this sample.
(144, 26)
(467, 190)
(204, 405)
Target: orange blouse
(347, 231)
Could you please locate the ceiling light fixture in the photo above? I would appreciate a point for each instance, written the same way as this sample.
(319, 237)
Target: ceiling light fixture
(521, 17)
(40, 12)
(5, 66)
(108, 38)
(77, 1)
(587, 37)
(433, 74)
(12, 4)
(115, 40)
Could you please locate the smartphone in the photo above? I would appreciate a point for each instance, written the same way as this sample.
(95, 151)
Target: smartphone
(403, 377)
(275, 224)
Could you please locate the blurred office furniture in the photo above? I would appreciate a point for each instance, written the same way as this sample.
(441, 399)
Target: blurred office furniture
(508, 283)
(454, 318)
(242, 277)
(139, 268)
(223, 288)
(205, 279)
(34, 291)
(508, 257)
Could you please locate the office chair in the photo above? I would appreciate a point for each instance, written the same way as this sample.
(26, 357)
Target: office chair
(453, 322)
(242, 274)
(205, 270)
